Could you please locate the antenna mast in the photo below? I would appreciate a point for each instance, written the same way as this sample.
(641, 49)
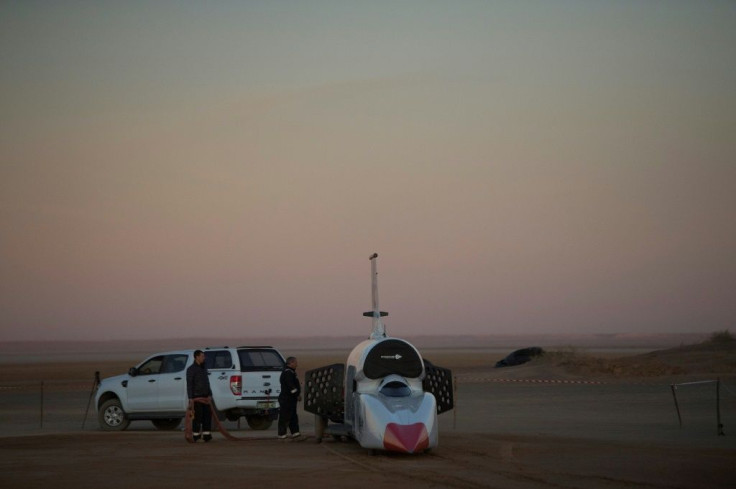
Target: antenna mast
(379, 330)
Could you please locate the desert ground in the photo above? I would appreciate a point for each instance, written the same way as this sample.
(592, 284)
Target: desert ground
(569, 419)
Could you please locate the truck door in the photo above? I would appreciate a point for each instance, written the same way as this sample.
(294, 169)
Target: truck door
(143, 388)
(172, 383)
(220, 365)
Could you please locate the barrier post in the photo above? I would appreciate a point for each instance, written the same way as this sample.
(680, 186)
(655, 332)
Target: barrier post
(454, 410)
(95, 384)
(41, 413)
(679, 418)
(718, 407)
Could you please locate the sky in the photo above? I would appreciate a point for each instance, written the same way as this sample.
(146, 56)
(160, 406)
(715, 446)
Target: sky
(226, 168)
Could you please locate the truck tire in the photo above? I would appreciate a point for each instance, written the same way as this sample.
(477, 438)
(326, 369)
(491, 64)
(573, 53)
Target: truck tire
(112, 417)
(259, 422)
(232, 415)
(166, 424)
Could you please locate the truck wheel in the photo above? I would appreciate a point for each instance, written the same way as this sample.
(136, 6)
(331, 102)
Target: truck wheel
(166, 424)
(259, 422)
(231, 416)
(112, 417)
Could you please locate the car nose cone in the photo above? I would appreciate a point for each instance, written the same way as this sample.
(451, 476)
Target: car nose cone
(407, 438)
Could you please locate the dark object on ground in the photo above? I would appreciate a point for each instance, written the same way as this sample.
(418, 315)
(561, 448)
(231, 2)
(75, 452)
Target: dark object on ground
(520, 356)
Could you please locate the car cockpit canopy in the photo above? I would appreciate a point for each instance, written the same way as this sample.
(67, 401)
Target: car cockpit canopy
(392, 356)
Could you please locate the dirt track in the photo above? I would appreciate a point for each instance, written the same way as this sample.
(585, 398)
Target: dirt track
(163, 460)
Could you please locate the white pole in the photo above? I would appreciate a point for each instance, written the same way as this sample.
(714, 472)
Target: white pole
(379, 330)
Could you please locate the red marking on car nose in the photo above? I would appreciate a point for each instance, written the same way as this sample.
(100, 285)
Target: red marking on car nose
(407, 438)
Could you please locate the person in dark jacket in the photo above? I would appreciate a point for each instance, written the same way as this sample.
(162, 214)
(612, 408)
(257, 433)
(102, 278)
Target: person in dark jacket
(198, 385)
(288, 398)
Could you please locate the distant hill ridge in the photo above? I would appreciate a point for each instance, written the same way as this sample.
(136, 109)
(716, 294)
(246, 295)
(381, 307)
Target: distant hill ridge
(714, 356)
(619, 340)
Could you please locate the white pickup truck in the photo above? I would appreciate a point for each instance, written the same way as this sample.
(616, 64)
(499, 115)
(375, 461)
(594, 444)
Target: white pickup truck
(244, 382)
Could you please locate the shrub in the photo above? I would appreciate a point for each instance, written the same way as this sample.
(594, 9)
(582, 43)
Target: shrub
(722, 337)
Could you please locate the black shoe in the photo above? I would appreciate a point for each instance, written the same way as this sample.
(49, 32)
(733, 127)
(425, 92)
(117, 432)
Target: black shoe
(207, 438)
(196, 438)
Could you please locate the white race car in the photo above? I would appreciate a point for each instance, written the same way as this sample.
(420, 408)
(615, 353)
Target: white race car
(388, 398)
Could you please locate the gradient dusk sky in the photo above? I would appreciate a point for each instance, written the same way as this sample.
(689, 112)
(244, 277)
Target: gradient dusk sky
(226, 168)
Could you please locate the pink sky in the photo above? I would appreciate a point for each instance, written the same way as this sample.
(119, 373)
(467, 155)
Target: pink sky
(226, 169)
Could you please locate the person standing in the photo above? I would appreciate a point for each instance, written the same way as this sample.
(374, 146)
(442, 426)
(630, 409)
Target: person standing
(198, 385)
(288, 398)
